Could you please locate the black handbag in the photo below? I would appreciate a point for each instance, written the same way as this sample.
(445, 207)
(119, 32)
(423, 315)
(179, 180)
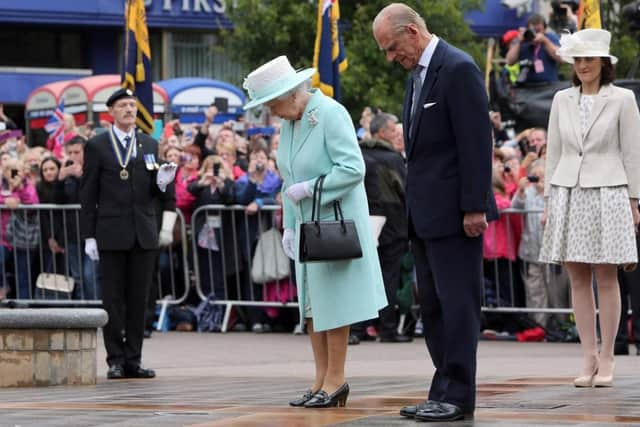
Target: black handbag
(328, 240)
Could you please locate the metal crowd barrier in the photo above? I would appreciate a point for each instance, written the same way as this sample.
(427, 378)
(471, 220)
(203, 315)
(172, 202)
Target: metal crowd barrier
(32, 276)
(213, 256)
(554, 274)
(224, 267)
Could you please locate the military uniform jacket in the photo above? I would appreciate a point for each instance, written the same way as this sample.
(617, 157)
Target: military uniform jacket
(118, 212)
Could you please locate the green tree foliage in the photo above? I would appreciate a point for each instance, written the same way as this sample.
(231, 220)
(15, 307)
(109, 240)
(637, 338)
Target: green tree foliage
(370, 79)
(265, 29)
(625, 44)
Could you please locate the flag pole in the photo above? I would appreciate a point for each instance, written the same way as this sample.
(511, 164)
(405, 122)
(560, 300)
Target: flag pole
(127, 8)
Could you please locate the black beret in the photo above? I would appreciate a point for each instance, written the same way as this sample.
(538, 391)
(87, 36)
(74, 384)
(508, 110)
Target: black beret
(119, 94)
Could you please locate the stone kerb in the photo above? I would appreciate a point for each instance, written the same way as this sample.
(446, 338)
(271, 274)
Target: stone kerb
(49, 346)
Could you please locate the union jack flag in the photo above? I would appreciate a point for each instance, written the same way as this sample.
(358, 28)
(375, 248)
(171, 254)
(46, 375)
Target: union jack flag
(55, 125)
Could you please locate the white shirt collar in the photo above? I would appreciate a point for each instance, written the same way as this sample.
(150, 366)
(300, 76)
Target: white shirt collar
(427, 54)
(120, 134)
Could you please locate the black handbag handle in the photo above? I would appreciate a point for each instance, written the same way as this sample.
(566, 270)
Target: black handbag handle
(317, 193)
(317, 197)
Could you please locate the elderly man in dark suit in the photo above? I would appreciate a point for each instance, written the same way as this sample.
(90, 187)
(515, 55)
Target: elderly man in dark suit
(449, 200)
(121, 184)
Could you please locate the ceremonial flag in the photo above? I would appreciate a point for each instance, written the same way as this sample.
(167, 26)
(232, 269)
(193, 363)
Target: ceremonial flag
(589, 14)
(55, 125)
(136, 72)
(329, 57)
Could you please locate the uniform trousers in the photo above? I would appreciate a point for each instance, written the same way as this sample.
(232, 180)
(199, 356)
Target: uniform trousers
(126, 278)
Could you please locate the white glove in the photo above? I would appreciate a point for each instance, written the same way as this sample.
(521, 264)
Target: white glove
(289, 243)
(298, 191)
(166, 232)
(166, 175)
(91, 249)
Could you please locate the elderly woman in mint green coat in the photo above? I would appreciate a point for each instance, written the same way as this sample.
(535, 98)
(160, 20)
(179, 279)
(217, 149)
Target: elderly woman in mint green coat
(318, 138)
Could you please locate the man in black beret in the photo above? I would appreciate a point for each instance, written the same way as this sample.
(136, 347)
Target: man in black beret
(119, 94)
(121, 184)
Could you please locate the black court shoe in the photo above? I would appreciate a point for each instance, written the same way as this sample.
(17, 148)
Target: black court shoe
(304, 399)
(322, 400)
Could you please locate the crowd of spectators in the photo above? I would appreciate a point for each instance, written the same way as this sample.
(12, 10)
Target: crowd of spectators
(218, 164)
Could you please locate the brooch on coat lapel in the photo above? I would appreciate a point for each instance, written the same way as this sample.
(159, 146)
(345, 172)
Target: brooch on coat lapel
(311, 116)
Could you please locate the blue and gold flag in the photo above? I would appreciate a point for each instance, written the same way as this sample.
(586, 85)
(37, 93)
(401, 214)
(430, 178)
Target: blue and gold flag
(136, 72)
(329, 57)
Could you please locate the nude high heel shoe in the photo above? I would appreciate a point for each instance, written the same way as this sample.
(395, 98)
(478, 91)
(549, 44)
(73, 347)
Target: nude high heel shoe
(604, 380)
(586, 380)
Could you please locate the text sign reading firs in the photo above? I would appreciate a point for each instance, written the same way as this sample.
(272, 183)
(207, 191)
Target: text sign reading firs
(205, 6)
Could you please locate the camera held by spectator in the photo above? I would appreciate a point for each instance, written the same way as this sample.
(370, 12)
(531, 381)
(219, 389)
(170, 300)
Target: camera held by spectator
(563, 17)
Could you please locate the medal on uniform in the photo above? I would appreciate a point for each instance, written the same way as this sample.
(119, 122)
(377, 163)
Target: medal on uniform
(115, 144)
(150, 161)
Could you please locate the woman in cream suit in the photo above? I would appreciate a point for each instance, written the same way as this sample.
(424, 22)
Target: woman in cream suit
(317, 138)
(591, 192)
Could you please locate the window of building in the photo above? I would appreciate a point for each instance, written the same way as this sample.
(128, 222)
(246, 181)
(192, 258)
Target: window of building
(193, 54)
(53, 48)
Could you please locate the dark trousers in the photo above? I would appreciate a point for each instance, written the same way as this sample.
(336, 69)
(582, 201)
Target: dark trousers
(126, 278)
(630, 293)
(391, 265)
(449, 274)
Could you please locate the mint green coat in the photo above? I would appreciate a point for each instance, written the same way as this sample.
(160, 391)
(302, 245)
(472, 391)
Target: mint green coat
(340, 292)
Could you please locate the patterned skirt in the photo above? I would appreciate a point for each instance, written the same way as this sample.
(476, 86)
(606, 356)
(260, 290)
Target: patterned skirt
(589, 225)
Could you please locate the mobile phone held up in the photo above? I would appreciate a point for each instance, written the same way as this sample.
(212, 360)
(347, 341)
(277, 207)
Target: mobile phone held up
(533, 178)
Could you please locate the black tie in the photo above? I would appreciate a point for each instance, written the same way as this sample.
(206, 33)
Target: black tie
(127, 141)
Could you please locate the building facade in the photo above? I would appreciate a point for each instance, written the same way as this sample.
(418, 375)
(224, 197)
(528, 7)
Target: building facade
(44, 41)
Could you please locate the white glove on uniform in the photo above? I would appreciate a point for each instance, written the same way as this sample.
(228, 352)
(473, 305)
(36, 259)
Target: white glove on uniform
(166, 232)
(91, 249)
(166, 175)
(289, 243)
(298, 191)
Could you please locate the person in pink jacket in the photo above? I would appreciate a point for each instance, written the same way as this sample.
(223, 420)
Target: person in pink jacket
(14, 191)
(499, 243)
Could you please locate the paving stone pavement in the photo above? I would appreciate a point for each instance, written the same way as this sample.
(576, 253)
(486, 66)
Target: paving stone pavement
(243, 379)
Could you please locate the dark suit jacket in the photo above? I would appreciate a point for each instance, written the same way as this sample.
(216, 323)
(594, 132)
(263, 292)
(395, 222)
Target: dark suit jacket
(117, 212)
(449, 151)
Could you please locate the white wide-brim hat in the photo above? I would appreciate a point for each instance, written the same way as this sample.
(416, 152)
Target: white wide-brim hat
(591, 42)
(272, 80)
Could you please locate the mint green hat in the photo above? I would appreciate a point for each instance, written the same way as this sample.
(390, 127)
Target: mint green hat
(272, 80)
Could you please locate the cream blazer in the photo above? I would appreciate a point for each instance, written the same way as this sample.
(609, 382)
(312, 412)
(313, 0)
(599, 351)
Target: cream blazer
(608, 154)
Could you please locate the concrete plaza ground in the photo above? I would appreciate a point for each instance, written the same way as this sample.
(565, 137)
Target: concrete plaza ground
(244, 379)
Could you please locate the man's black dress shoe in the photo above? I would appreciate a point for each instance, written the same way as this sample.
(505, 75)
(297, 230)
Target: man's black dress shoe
(304, 399)
(410, 411)
(441, 411)
(395, 338)
(322, 400)
(115, 372)
(138, 372)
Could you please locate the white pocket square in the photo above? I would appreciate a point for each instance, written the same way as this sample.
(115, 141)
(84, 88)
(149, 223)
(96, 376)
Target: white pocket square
(429, 105)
